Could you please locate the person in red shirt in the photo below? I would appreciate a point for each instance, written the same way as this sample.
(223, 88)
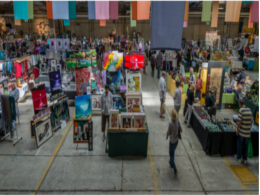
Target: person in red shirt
(247, 49)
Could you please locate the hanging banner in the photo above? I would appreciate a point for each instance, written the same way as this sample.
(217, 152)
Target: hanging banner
(102, 22)
(30, 8)
(60, 10)
(102, 10)
(91, 10)
(250, 24)
(206, 11)
(143, 10)
(214, 17)
(185, 24)
(72, 10)
(49, 10)
(66, 22)
(134, 10)
(255, 12)
(21, 10)
(132, 22)
(167, 25)
(186, 15)
(114, 10)
(233, 9)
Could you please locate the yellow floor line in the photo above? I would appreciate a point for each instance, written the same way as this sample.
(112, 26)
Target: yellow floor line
(247, 190)
(153, 171)
(51, 159)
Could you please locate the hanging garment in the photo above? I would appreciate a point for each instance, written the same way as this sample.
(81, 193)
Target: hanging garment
(18, 70)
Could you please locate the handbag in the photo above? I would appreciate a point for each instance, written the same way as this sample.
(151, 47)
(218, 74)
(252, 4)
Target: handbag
(250, 153)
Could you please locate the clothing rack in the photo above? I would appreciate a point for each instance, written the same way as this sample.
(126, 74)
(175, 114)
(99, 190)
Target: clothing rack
(15, 138)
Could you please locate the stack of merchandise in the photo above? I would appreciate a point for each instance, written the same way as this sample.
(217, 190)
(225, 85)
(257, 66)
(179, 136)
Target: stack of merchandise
(254, 128)
(210, 126)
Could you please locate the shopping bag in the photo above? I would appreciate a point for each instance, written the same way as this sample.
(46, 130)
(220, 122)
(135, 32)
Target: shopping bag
(250, 149)
(185, 88)
(163, 108)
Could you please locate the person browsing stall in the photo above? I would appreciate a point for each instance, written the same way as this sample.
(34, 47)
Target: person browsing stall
(243, 132)
(174, 129)
(162, 91)
(192, 77)
(239, 94)
(159, 63)
(242, 77)
(190, 100)
(106, 105)
(177, 97)
(210, 104)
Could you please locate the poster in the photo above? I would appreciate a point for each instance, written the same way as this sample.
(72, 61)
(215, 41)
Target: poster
(96, 102)
(139, 122)
(118, 102)
(55, 81)
(83, 106)
(113, 119)
(82, 80)
(133, 83)
(112, 61)
(132, 101)
(215, 82)
(39, 98)
(43, 132)
(113, 79)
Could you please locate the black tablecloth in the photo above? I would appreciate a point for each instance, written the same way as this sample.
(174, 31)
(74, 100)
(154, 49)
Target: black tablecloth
(214, 142)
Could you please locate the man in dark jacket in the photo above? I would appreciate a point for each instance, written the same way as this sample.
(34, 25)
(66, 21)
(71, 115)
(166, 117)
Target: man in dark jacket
(210, 105)
(152, 63)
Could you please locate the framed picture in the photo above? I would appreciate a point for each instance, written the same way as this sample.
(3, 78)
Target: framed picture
(126, 120)
(81, 131)
(83, 106)
(39, 98)
(55, 81)
(82, 76)
(113, 79)
(133, 83)
(139, 120)
(113, 119)
(43, 132)
(96, 102)
(132, 101)
(118, 102)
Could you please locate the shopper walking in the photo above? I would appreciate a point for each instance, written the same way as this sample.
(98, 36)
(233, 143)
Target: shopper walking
(177, 97)
(174, 129)
(244, 125)
(152, 63)
(159, 63)
(192, 77)
(190, 100)
(167, 63)
(162, 91)
(182, 69)
(106, 104)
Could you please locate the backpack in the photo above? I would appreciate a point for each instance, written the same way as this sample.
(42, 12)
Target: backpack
(199, 83)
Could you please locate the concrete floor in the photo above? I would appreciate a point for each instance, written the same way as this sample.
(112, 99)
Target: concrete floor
(24, 170)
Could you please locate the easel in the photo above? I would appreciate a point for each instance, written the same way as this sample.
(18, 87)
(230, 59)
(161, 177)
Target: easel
(58, 99)
(35, 123)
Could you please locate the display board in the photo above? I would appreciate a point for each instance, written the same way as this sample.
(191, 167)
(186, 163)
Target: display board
(133, 83)
(82, 80)
(215, 80)
(55, 81)
(211, 36)
(112, 61)
(113, 79)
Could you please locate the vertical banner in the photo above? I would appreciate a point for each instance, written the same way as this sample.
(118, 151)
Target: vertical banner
(60, 10)
(114, 10)
(49, 9)
(143, 10)
(167, 25)
(186, 15)
(102, 22)
(132, 22)
(214, 17)
(134, 10)
(206, 11)
(102, 10)
(233, 9)
(255, 12)
(185, 24)
(66, 22)
(30, 9)
(91, 10)
(21, 10)
(250, 24)
(72, 10)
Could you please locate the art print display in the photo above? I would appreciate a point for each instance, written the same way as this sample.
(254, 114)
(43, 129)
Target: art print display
(39, 98)
(139, 120)
(82, 80)
(215, 80)
(43, 132)
(112, 61)
(41, 114)
(83, 106)
(60, 111)
(55, 81)
(126, 120)
(83, 132)
(96, 102)
(113, 119)
(133, 101)
(133, 83)
(113, 79)
(118, 102)
(134, 61)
